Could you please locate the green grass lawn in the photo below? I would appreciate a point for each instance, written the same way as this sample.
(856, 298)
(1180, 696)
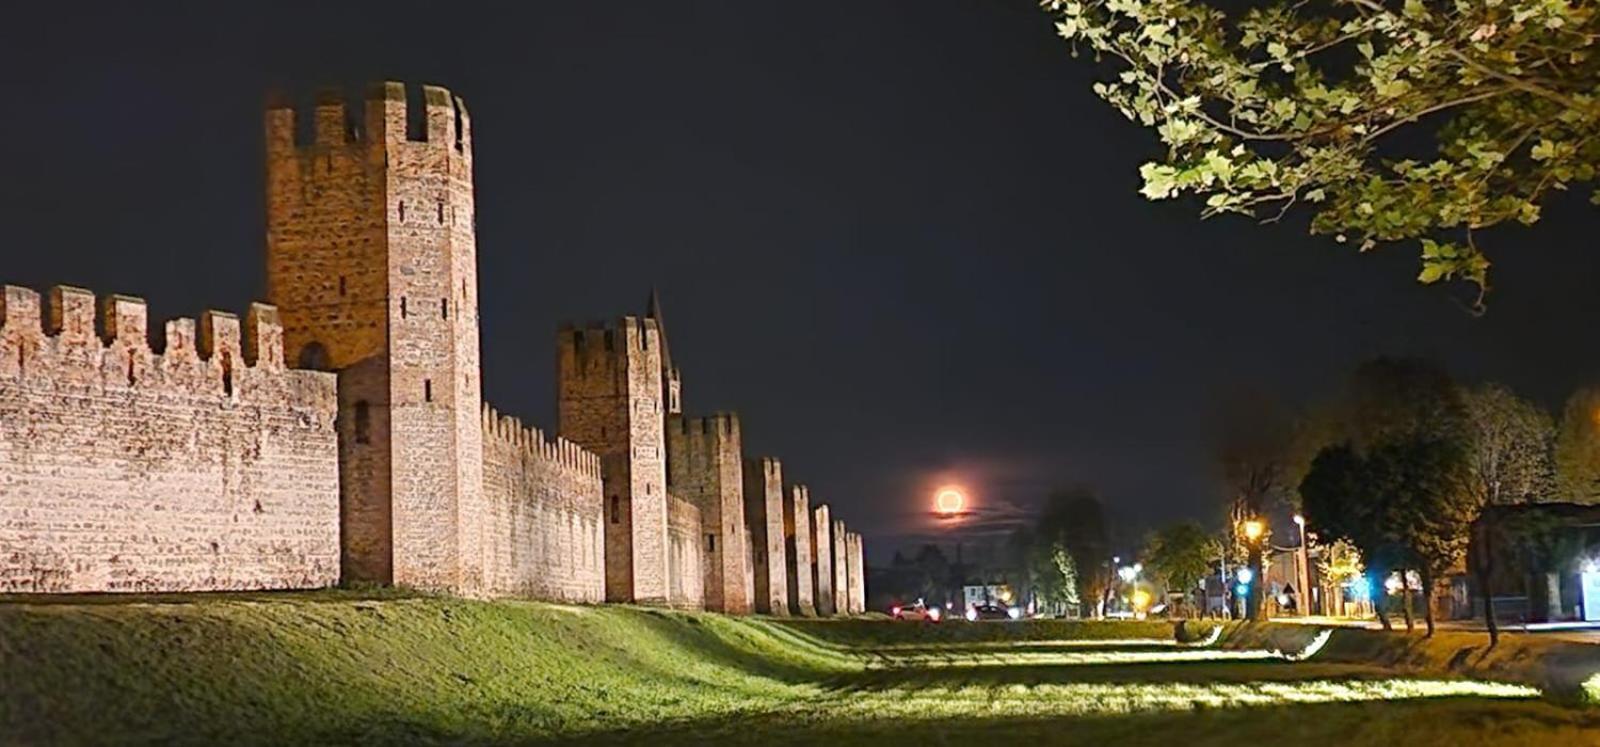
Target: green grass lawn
(337, 667)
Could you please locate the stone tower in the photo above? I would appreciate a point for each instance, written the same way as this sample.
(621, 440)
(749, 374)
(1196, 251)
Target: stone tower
(610, 402)
(763, 514)
(798, 560)
(704, 467)
(372, 262)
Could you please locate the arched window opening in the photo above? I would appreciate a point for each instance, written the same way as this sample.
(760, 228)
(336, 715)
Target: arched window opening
(314, 357)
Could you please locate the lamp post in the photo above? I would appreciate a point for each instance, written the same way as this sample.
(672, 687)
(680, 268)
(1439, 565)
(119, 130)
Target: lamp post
(1255, 530)
(1305, 567)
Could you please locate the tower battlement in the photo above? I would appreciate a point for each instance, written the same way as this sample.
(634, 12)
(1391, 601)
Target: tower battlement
(386, 117)
(716, 425)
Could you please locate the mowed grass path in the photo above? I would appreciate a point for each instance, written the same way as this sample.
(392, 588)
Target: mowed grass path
(341, 668)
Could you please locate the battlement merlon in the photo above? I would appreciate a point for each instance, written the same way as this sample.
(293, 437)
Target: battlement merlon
(75, 321)
(533, 442)
(628, 333)
(385, 120)
(718, 425)
(771, 468)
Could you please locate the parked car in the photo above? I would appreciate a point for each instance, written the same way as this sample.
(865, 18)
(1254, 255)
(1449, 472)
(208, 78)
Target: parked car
(918, 612)
(991, 611)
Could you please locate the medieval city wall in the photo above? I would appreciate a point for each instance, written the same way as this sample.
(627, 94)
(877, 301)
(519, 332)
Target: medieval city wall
(686, 582)
(205, 466)
(543, 532)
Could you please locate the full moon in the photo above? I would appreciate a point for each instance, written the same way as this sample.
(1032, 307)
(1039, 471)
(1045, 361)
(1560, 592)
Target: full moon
(949, 501)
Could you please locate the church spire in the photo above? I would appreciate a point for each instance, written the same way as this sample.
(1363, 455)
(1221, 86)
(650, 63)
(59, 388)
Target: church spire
(671, 383)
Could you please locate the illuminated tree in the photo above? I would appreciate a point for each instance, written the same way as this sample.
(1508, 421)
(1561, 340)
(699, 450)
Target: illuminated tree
(1577, 452)
(1340, 563)
(1075, 519)
(1181, 554)
(1323, 105)
(1510, 460)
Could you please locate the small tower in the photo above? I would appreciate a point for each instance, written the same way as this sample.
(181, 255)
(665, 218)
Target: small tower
(610, 402)
(704, 467)
(372, 262)
(763, 513)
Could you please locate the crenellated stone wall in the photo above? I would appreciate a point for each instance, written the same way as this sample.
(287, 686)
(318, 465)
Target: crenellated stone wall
(205, 466)
(544, 536)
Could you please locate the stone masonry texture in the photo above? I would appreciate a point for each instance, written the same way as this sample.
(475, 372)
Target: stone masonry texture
(704, 467)
(685, 566)
(822, 569)
(610, 391)
(207, 466)
(545, 537)
(797, 550)
(857, 573)
(841, 569)
(763, 512)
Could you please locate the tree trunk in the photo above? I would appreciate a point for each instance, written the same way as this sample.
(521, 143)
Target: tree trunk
(1483, 565)
(1379, 596)
(1427, 600)
(1405, 600)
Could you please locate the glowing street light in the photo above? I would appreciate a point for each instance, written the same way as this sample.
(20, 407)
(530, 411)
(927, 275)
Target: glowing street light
(1253, 529)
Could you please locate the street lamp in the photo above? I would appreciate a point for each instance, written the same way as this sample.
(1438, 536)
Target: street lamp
(1305, 567)
(1255, 531)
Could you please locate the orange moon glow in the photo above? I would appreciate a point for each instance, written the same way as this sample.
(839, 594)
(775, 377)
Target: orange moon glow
(949, 501)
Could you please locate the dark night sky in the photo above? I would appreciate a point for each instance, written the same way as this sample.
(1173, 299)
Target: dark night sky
(902, 239)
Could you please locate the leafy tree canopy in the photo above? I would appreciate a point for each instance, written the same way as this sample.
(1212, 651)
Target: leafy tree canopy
(1510, 449)
(1181, 554)
(1315, 103)
(1577, 451)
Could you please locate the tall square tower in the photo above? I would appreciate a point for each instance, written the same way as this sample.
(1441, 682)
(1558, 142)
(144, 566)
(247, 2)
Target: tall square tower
(372, 262)
(611, 403)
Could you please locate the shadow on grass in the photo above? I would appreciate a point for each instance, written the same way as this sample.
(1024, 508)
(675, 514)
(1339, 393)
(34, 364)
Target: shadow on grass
(1185, 673)
(1440, 722)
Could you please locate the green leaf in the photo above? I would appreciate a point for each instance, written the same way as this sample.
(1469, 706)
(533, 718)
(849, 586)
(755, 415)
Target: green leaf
(1160, 181)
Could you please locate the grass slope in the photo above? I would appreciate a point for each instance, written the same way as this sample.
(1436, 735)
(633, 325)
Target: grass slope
(310, 667)
(339, 668)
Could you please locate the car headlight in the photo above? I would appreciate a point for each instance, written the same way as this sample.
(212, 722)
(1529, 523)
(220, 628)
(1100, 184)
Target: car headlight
(1014, 612)
(972, 615)
(933, 614)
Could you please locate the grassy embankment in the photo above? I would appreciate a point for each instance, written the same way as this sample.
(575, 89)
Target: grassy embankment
(340, 668)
